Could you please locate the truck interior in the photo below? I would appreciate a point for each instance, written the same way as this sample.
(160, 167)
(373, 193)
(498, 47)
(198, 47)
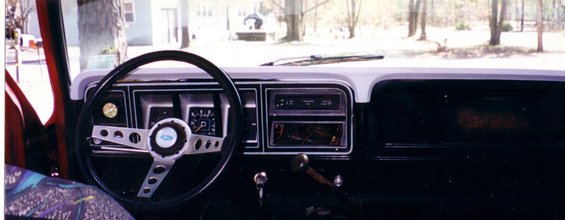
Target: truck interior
(170, 134)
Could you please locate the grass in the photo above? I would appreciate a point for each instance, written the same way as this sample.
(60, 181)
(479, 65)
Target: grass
(484, 51)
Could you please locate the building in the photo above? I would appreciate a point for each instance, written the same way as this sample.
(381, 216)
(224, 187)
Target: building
(157, 22)
(216, 19)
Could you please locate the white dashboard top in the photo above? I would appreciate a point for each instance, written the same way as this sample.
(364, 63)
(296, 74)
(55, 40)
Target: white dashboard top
(361, 80)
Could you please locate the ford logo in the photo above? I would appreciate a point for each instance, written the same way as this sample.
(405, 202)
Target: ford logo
(166, 137)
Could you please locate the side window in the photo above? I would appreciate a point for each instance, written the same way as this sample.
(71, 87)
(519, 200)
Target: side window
(25, 59)
(129, 9)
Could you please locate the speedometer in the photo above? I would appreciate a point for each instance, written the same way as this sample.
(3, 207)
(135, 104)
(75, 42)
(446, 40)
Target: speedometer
(202, 121)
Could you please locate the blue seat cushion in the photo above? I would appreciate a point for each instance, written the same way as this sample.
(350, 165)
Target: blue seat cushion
(30, 194)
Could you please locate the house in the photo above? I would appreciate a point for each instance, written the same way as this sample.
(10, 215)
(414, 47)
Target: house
(215, 19)
(142, 18)
(150, 22)
(157, 22)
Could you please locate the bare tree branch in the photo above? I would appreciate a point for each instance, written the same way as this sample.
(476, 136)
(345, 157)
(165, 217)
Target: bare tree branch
(315, 6)
(358, 11)
(348, 18)
(277, 4)
(353, 8)
(17, 14)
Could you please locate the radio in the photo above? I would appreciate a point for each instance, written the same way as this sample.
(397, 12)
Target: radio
(309, 120)
(307, 102)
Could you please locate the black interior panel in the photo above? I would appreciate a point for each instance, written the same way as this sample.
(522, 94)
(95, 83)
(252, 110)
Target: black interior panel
(432, 118)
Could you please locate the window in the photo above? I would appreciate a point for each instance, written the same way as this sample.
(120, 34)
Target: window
(241, 12)
(209, 11)
(204, 11)
(129, 10)
(25, 58)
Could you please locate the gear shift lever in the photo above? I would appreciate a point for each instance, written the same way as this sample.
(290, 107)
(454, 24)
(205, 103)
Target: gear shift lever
(301, 163)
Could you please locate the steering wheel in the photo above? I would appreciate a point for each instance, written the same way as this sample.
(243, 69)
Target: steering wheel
(166, 141)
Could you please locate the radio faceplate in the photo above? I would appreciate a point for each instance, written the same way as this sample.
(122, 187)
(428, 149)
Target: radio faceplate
(312, 120)
(307, 102)
(293, 101)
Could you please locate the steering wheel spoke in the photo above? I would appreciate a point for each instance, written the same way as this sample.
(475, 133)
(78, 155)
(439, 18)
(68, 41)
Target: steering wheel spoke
(201, 144)
(157, 173)
(130, 137)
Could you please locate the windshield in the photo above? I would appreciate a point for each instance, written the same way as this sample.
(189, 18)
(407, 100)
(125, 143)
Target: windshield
(102, 34)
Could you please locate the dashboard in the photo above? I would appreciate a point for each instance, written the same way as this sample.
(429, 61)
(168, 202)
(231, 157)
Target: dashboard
(279, 118)
(441, 141)
(314, 110)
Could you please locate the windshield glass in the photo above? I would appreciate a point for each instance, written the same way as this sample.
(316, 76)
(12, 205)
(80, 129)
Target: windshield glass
(102, 34)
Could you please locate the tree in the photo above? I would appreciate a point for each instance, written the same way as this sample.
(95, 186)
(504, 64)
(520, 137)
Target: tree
(101, 29)
(185, 37)
(424, 15)
(411, 31)
(496, 20)
(17, 15)
(353, 10)
(413, 17)
(294, 17)
(539, 21)
(522, 17)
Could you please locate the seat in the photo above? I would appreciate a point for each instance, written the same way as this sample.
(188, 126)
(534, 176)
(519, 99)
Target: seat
(33, 195)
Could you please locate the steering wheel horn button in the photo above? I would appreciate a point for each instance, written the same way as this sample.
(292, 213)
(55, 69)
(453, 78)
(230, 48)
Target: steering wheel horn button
(166, 137)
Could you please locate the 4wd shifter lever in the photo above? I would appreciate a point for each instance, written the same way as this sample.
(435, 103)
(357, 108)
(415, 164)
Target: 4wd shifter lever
(301, 163)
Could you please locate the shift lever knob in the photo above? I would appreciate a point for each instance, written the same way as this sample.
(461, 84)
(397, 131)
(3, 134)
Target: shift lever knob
(300, 162)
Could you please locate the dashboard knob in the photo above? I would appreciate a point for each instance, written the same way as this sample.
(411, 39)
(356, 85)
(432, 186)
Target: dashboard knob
(260, 178)
(338, 181)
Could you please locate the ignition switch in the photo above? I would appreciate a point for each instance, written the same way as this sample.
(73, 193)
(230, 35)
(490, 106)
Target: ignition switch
(260, 179)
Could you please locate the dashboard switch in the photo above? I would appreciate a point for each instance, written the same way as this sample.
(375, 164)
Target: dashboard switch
(338, 181)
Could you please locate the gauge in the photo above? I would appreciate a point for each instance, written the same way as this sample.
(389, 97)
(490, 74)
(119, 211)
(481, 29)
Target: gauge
(110, 110)
(202, 121)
